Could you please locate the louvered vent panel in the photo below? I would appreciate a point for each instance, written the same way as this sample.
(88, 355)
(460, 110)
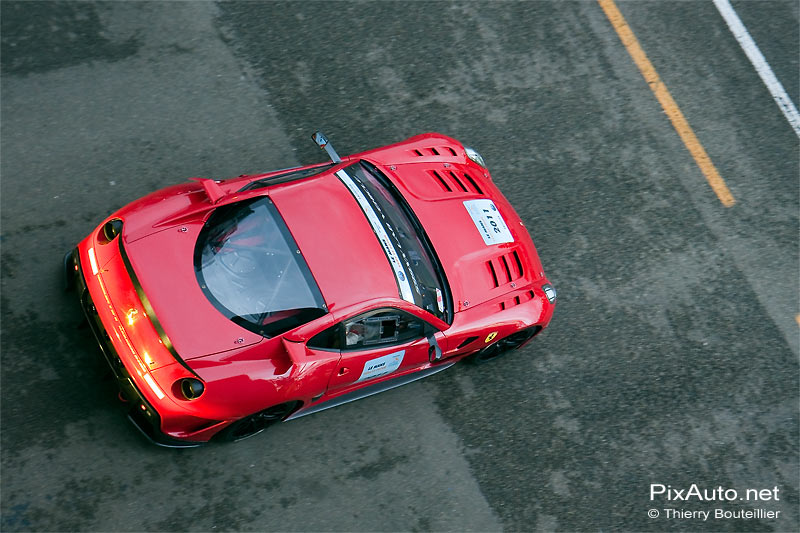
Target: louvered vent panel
(458, 181)
(434, 150)
(441, 179)
(473, 183)
(455, 182)
(526, 296)
(505, 268)
(492, 270)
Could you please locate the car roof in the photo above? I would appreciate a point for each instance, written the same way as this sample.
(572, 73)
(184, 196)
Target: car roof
(336, 240)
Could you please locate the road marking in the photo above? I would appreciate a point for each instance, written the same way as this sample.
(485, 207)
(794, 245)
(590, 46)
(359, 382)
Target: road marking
(667, 103)
(762, 67)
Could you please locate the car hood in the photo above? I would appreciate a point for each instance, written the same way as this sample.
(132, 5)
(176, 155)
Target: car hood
(481, 261)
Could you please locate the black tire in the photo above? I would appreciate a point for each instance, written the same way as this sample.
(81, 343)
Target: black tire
(503, 346)
(69, 270)
(256, 423)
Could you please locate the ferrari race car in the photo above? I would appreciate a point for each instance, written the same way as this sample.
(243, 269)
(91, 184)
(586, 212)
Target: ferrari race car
(225, 306)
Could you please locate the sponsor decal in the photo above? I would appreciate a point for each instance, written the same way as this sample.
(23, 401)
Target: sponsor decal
(381, 366)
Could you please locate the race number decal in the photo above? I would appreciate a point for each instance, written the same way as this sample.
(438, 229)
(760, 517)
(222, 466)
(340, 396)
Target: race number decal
(382, 366)
(489, 222)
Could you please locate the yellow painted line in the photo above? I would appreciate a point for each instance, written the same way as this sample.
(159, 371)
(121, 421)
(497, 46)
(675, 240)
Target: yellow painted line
(665, 99)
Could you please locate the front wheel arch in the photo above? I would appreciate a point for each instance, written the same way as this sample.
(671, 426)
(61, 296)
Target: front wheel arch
(503, 346)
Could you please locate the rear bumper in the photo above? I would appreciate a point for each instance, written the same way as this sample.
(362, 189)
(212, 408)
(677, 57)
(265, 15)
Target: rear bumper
(141, 413)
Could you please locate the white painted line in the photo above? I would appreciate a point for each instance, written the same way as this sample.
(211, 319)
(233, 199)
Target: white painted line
(757, 59)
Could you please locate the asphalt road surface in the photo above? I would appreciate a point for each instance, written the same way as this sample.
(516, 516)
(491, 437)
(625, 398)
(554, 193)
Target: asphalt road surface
(673, 356)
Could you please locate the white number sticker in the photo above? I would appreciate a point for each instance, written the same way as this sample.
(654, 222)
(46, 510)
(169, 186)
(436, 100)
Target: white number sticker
(489, 222)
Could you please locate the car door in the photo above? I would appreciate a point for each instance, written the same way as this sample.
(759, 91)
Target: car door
(374, 345)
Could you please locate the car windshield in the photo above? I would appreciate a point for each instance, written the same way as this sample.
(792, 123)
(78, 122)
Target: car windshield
(420, 279)
(250, 268)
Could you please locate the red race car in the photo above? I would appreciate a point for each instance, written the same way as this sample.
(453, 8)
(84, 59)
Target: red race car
(225, 306)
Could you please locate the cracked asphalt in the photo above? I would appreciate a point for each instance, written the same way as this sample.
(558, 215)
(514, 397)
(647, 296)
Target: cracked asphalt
(673, 355)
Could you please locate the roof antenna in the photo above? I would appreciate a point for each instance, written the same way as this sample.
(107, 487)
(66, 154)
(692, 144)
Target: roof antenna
(323, 142)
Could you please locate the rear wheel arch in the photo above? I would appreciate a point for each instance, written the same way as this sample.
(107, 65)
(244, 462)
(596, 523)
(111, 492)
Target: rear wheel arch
(255, 423)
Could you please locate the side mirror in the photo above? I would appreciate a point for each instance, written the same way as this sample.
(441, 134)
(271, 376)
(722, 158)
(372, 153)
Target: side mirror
(322, 142)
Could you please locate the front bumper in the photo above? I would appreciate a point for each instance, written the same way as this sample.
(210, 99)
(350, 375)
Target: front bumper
(141, 412)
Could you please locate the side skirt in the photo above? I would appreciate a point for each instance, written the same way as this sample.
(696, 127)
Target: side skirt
(372, 389)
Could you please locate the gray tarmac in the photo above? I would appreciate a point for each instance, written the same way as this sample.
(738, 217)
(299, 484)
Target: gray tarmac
(673, 355)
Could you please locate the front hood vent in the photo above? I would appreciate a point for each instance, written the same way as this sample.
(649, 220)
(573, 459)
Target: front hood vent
(506, 268)
(452, 181)
(429, 151)
(519, 298)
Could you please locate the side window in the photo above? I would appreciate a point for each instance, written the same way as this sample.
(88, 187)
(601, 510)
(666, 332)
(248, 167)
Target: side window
(327, 339)
(376, 328)
(382, 328)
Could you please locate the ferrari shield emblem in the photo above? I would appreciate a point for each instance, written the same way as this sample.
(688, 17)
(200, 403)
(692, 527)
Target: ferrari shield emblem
(490, 337)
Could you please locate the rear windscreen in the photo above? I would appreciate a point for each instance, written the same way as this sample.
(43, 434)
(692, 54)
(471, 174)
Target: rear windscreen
(250, 268)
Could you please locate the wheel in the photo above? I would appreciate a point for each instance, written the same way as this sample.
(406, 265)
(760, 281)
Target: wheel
(503, 346)
(256, 423)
